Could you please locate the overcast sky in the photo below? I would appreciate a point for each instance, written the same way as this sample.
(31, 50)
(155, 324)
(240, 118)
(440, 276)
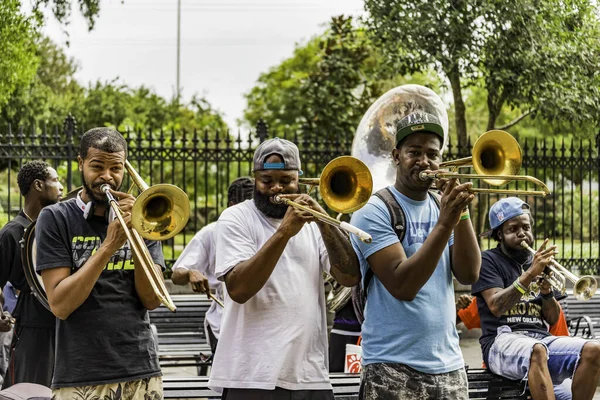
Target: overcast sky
(225, 44)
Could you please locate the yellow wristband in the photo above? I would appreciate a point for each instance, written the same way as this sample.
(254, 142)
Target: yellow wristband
(518, 286)
(464, 215)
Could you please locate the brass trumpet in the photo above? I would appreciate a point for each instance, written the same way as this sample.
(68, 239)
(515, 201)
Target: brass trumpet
(345, 185)
(496, 160)
(583, 288)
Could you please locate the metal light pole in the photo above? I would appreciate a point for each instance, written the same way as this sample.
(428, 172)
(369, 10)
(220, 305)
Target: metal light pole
(178, 46)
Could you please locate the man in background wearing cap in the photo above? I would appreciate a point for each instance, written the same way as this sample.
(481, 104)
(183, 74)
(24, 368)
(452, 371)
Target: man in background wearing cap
(410, 344)
(273, 341)
(515, 341)
(196, 263)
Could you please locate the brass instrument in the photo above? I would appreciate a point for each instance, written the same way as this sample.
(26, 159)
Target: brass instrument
(160, 212)
(496, 160)
(345, 185)
(139, 249)
(583, 288)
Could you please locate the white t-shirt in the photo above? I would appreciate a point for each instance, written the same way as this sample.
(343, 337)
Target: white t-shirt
(279, 336)
(199, 255)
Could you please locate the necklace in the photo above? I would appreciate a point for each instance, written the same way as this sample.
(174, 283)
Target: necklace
(28, 217)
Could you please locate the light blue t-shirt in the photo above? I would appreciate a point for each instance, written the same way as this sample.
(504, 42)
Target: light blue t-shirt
(419, 333)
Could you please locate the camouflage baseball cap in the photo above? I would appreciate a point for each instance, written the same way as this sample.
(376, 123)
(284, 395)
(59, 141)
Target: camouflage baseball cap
(418, 121)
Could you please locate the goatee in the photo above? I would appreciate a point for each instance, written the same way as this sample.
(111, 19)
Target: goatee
(264, 205)
(92, 195)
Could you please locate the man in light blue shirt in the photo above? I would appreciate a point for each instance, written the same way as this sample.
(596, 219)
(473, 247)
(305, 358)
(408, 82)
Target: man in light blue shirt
(410, 343)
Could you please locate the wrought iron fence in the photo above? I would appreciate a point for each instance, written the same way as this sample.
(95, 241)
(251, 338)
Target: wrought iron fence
(203, 163)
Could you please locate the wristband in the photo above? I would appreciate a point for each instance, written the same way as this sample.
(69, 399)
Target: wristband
(520, 288)
(464, 215)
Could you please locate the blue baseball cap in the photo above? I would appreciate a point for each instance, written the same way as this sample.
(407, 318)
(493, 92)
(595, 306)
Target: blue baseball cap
(505, 209)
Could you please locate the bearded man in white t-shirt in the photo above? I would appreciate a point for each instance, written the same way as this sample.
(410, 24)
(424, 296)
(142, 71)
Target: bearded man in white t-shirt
(273, 341)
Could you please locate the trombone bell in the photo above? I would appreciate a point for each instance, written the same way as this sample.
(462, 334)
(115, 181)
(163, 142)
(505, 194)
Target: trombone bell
(496, 153)
(160, 212)
(345, 184)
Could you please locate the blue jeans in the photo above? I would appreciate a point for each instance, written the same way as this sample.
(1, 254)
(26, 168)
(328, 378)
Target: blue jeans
(510, 356)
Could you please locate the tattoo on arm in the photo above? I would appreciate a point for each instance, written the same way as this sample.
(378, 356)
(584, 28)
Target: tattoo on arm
(505, 299)
(339, 250)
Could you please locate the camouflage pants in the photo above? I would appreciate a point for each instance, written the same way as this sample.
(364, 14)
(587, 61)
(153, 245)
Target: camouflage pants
(400, 382)
(142, 389)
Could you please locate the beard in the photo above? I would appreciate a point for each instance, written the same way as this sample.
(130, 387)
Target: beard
(92, 195)
(265, 206)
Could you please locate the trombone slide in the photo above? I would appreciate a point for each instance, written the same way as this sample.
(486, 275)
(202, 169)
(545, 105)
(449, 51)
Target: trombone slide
(138, 247)
(362, 235)
(426, 175)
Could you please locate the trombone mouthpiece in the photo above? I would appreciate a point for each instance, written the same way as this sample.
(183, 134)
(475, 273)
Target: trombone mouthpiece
(424, 176)
(276, 200)
(105, 188)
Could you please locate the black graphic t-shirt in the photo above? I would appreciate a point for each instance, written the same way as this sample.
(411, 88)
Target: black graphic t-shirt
(108, 338)
(29, 311)
(500, 271)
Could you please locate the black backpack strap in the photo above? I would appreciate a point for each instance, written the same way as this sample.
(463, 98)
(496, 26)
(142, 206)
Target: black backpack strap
(21, 220)
(398, 220)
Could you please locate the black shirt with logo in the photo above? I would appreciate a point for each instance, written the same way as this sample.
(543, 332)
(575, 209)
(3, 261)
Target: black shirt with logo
(500, 271)
(108, 338)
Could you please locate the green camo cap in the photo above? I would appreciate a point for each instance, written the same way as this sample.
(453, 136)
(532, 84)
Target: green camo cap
(418, 121)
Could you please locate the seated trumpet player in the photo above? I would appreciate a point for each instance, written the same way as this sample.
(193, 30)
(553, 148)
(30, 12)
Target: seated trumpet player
(515, 340)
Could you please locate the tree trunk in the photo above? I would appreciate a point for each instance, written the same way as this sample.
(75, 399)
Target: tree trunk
(460, 119)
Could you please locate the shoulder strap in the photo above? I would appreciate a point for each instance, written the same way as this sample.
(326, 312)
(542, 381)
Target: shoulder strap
(436, 196)
(398, 220)
(21, 220)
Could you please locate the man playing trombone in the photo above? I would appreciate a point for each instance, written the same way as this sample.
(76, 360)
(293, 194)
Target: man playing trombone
(95, 285)
(273, 342)
(410, 344)
(515, 341)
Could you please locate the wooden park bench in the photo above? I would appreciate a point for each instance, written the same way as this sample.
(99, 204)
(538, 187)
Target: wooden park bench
(482, 385)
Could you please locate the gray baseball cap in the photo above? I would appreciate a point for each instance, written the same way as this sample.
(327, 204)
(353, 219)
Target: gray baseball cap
(285, 149)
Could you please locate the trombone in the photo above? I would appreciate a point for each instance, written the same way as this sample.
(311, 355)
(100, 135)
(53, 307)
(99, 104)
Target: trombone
(496, 160)
(345, 185)
(583, 288)
(158, 213)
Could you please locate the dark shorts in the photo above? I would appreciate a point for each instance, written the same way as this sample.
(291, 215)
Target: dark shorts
(32, 356)
(277, 394)
(398, 382)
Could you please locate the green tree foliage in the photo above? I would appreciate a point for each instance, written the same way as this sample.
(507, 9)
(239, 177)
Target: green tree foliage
(61, 9)
(18, 61)
(323, 89)
(50, 96)
(536, 56)
(276, 96)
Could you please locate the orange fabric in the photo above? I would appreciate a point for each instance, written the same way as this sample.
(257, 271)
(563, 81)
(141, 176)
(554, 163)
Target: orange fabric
(470, 316)
(560, 328)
